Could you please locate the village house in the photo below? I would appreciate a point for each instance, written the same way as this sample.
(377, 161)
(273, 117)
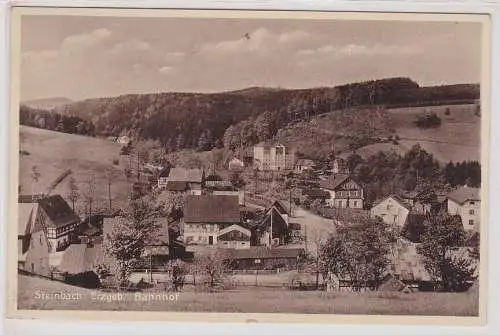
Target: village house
(303, 165)
(58, 221)
(392, 210)
(275, 219)
(344, 191)
(273, 157)
(163, 177)
(412, 199)
(235, 237)
(33, 247)
(183, 180)
(236, 164)
(214, 184)
(466, 202)
(206, 215)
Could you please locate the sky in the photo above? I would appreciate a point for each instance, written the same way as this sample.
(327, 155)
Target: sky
(80, 57)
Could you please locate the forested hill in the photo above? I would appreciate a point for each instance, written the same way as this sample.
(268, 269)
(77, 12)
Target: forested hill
(200, 121)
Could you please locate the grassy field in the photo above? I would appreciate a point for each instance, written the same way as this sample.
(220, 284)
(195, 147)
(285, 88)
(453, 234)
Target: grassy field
(54, 152)
(457, 139)
(255, 301)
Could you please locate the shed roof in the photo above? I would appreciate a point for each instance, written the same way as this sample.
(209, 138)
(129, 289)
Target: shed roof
(186, 175)
(334, 181)
(261, 253)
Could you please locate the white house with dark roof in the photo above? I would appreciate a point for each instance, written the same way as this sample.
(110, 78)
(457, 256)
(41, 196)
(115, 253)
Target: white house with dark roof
(393, 210)
(206, 215)
(58, 220)
(466, 202)
(344, 191)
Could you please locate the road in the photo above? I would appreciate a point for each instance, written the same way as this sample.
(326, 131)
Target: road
(314, 227)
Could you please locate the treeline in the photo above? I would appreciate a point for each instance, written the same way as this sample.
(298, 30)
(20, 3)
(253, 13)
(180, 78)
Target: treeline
(44, 119)
(239, 118)
(417, 170)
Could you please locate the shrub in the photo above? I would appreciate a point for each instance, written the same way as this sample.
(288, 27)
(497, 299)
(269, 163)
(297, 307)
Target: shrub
(116, 162)
(429, 120)
(447, 111)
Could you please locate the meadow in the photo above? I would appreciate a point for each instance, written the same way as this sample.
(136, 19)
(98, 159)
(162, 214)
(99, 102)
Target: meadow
(53, 153)
(256, 300)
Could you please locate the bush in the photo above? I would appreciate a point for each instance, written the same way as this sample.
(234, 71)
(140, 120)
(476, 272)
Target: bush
(429, 120)
(116, 162)
(447, 111)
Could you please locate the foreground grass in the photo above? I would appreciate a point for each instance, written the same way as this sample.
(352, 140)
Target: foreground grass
(253, 301)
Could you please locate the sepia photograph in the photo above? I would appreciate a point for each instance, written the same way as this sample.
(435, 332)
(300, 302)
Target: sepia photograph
(272, 163)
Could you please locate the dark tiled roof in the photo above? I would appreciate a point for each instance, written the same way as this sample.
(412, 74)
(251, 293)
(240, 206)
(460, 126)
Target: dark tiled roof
(164, 172)
(176, 185)
(463, 194)
(58, 211)
(334, 181)
(316, 193)
(261, 252)
(212, 209)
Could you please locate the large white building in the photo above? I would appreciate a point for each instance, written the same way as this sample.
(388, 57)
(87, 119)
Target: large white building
(466, 202)
(393, 210)
(273, 157)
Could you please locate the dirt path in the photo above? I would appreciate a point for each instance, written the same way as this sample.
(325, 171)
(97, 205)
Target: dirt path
(314, 227)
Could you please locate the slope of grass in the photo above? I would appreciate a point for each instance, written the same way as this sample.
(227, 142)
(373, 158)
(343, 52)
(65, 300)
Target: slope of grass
(251, 301)
(53, 153)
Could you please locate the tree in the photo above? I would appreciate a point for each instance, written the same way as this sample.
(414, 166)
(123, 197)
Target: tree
(110, 178)
(73, 194)
(35, 176)
(214, 268)
(236, 180)
(359, 252)
(177, 271)
(442, 234)
(128, 238)
(89, 194)
(206, 141)
(458, 274)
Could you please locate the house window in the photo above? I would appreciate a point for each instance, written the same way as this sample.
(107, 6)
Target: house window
(243, 243)
(389, 207)
(471, 222)
(355, 203)
(472, 203)
(471, 212)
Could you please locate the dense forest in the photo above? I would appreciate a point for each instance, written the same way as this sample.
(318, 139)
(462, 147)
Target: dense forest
(386, 173)
(49, 120)
(232, 119)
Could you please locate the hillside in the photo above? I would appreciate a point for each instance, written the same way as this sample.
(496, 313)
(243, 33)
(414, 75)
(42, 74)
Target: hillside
(53, 153)
(366, 131)
(201, 121)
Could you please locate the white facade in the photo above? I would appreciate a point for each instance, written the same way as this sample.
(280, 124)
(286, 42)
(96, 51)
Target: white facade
(469, 212)
(273, 158)
(391, 211)
(201, 233)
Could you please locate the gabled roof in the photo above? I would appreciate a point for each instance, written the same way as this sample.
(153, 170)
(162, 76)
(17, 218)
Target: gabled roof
(234, 227)
(464, 194)
(212, 209)
(260, 253)
(334, 181)
(281, 207)
(58, 211)
(187, 175)
(396, 198)
(173, 185)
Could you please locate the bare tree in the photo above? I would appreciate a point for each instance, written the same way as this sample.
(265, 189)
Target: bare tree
(110, 178)
(35, 176)
(73, 192)
(214, 269)
(89, 194)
